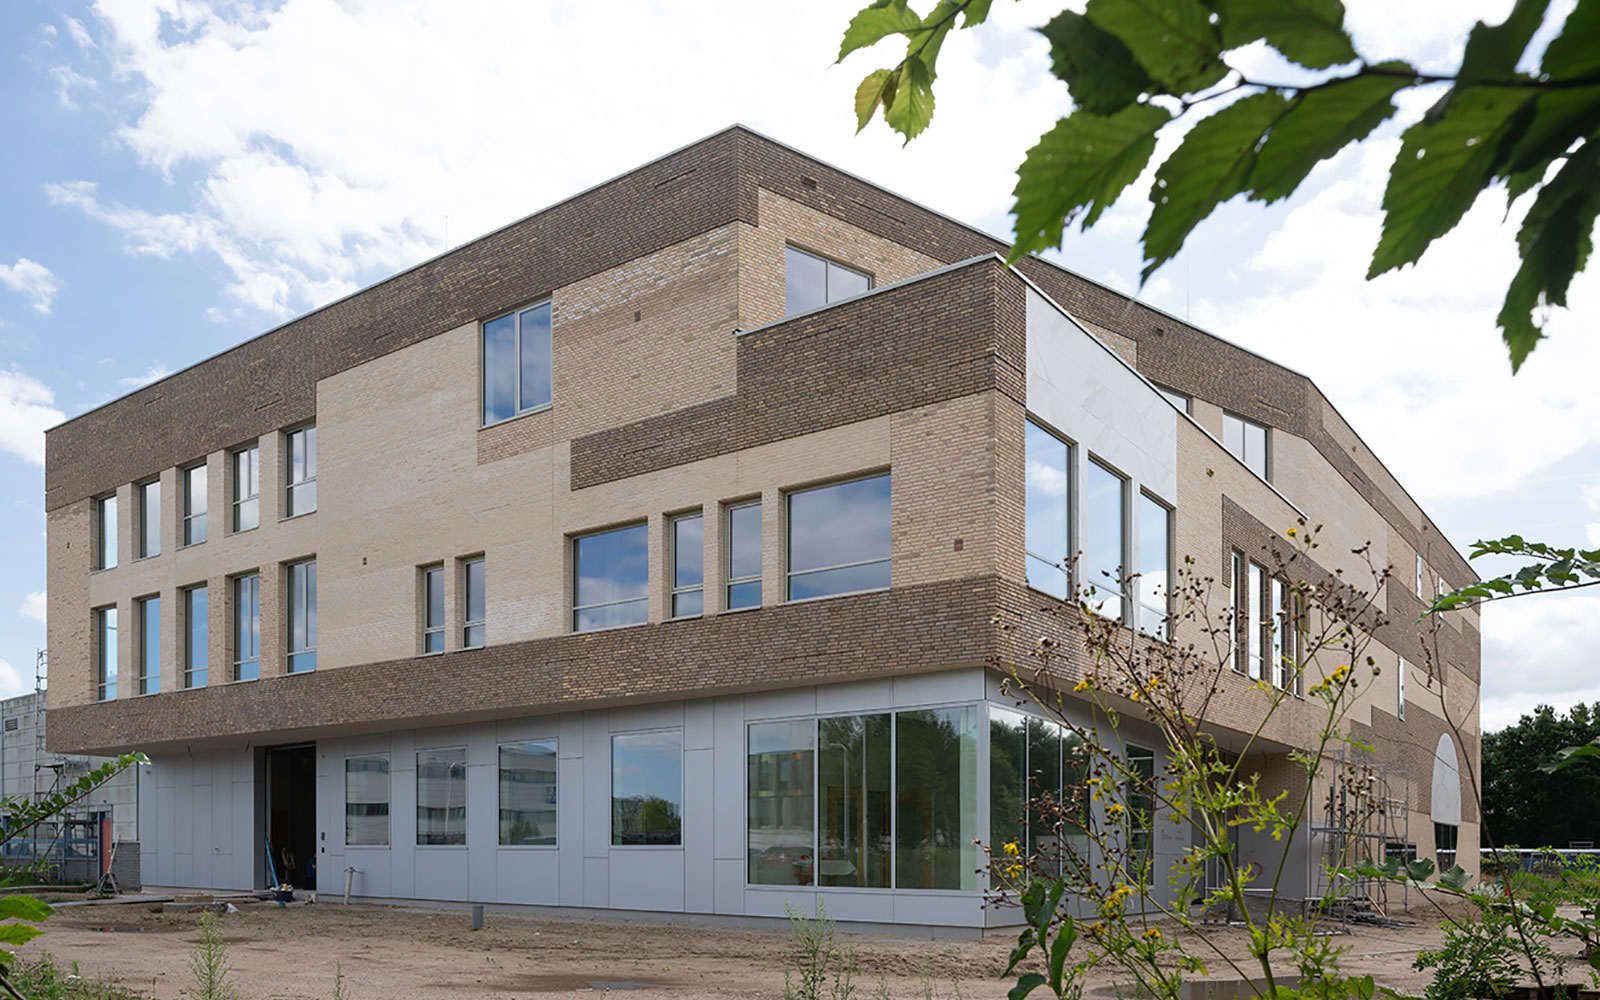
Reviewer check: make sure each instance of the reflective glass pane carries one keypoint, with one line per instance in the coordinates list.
(744, 541)
(1044, 786)
(848, 580)
(635, 612)
(1255, 448)
(528, 793)
(688, 552)
(843, 282)
(1141, 807)
(1253, 628)
(194, 491)
(1008, 778)
(108, 654)
(689, 604)
(197, 639)
(535, 356)
(936, 798)
(1103, 531)
(107, 554)
(433, 599)
(442, 796)
(1074, 790)
(150, 519)
(1233, 435)
(150, 645)
(647, 787)
(854, 839)
(302, 617)
(499, 369)
(744, 595)
(473, 635)
(1154, 563)
(473, 584)
(247, 627)
(366, 800)
(805, 281)
(836, 527)
(1282, 650)
(1047, 510)
(611, 566)
(781, 802)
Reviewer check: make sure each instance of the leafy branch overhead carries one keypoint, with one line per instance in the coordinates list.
(1135, 67)
(1551, 569)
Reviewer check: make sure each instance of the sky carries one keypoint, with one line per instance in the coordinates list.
(181, 175)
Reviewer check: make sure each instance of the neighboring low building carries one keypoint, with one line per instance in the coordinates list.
(644, 555)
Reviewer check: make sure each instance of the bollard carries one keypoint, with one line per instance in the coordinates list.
(477, 916)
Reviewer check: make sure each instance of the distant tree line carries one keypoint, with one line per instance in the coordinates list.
(1527, 807)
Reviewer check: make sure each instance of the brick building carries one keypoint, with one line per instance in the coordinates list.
(643, 555)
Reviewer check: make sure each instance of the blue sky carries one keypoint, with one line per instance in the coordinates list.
(180, 175)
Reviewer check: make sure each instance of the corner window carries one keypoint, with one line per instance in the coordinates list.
(302, 616)
(1247, 441)
(442, 797)
(149, 497)
(611, 579)
(854, 802)
(474, 604)
(1104, 531)
(516, 363)
(433, 609)
(839, 539)
(780, 765)
(194, 504)
(647, 788)
(105, 532)
(1176, 398)
(1155, 567)
(196, 638)
(1047, 510)
(936, 798)
(688, 558)
(105, 627)
(810, 281)
(528, 793)
(301, 494)
(744, 556)
(366, 801)
(1036, 767)
(148, 612)
(246, 488)
(247, 627)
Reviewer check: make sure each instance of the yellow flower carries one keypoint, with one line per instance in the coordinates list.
(1154, 934)
(1114, 809)
(1292, 532)
(1081, 686)
(1014, 870)
(1011, 849)
(1097, 928)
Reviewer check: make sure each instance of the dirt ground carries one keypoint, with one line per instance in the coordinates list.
(403, 953)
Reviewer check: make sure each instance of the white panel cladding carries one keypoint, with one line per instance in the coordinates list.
(192, 831)
(1082, 389)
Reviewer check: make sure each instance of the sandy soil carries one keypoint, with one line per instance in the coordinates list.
(403, 953)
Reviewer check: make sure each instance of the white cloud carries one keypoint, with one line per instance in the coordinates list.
(33, 606)
(33, 281)
(79, 33)
(27, 407)
(151, 374)
(11, 683)
(1534, 652)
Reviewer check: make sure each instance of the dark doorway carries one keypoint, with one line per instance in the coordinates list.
(292, 814)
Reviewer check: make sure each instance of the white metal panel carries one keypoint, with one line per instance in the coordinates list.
(855, 696)
(569, 820)
(596, 791)
(780, 704)
(699, 724)
(938, 689)
(596, 882)
(698, 797)
(441, 873)
(529, 875)
(371, 877)
(728, 776)
(483, 828)
(937, 909)
(728, 878)
(647, 879)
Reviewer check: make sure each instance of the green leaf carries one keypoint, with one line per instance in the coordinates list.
(1571, 755)
(869, 96)
(1419, 869)
(1573, 53)
(1025, 985)
(1560, 118)
(1097, 68)
(1080, 166)
(877, 22)
(976, 13)
(1210, 166)
(24, 908)
(1025, 943)
(18, 933)
(1174, 40)
(1311, 32)
(912, 108)
(1454, 877)
(1555, 241)
(1493, 50)
(1318, 124)
(1442, 166)
(1058, 952)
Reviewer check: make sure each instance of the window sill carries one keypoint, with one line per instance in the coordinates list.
(102, 569)
(527, 847)
(460, 649)
(190, 545)
(647, 847)
(437, 652)
(153, 555)
(296, 517)
(240, 531)
(441, 847)
(740, 611)
(861, 889)
(147, 694)
(241, 680)
(608, 628)
(545, 408)
(829, 597)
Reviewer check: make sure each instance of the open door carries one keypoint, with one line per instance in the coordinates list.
(291, 827)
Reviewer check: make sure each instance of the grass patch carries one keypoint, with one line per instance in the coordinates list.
(45, 979)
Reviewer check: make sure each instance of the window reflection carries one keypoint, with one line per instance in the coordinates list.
(744, 556)
(1104, 530)
(611, 579)
(1047, 511)
(647, 788)
(366, 800)
(839, 539)
(442, 797)
(853, 760)
(528, 793)
(936, 781)
(1154, 562)
(810, 281)
(781, 803)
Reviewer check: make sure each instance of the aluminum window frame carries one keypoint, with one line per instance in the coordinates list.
(465, 597)
(611, 788)
(466, 794)
(789, 573)
(673, 590)
(729, 581)
(518, 410)
(574, 569)
(242, 460)
(1244, 442)
(1120, 585)
(1068, 567)
(555, 805)
(303, 603)
(306, 436)
(186, 606)
(105, 530)
(106, 627)
(147, 536)
(188, 535)
(432, 577)
(828, 266)
(147, 675)
(1139, 604)
(241, 586)
(388, 774)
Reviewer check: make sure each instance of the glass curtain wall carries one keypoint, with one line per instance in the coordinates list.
(782, 802)
(853, 767)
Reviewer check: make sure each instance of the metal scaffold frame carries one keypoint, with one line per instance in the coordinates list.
(1365, 813)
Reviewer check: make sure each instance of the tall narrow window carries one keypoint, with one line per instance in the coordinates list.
(247, 627)
(1048, 512)
(366, 800)
(442, 797)
(810, 281)
(688, 559)
(528, 793)
(744, 556)
(246, 488)
(301, 495)
(105, 534)
(1104, 532)
(1241, 613)
(474, 604)
(149, 614)
(647, 788)
(149, 497)
(1419, 574)
(1247, 441)
(854, 801)
(196, 638)
(194, 504)
(516, 363)
(1285, 635)
(1155, 561)
(1141, 807)
(1400, 693)
(839, 539)
(303, 616)
(936, 798)
(433, 610)
(1255, 621)
(611, 579)
(106, 653)
(781, 786)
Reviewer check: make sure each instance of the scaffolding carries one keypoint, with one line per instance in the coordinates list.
(1365, 815)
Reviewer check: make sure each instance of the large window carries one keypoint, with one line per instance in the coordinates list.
(744, 556)
(611, 579)
(782, 779)
(516, 363)
(1141, 809)
(810, 281)
(148, 612)
(1267, 622)
(1155, 567)
(1048, 511)
(149, 504)
(839, 539)
(302, 616)
(433, 609)
(105, 532)
(194, 504)
(1446, 836)
(528, 793)
(854, 842)
(442, 797)
(246, 488)
(105, 627)
(1104, 529)
(688, 562)
(366, 800)
(936, 798)
(196, 638)
(1036, 767)
(647, 787)
(247, 627)
(300, 495)
(474, 604)
(1247, 440)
